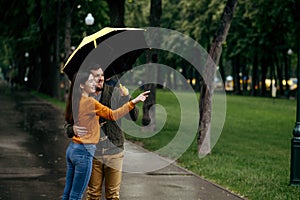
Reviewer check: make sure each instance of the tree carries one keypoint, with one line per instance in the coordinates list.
(257, 44)
(152, 57)
(260, 38)
(206, 90)
(117, 10)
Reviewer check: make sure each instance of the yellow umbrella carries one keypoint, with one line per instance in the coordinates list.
(91, 42)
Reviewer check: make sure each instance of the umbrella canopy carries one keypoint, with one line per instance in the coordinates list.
(115, 49)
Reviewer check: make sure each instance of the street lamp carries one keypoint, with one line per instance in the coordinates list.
(287, 73)
(295, 143)
(26, 55)
(89, 19)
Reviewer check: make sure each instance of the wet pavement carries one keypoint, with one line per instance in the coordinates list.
(32, 159)
(32, 147)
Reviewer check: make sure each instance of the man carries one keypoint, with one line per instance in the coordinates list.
(108, 159)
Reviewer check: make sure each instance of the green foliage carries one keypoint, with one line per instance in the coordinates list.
(33, 26)
(80, 9)
(137, 13)
(263, 28)
(268, 25)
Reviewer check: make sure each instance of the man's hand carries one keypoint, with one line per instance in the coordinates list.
(80, 130)
(123, 90)
(69, 130)
(141, 98)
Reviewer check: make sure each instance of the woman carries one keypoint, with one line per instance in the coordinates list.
(83, 110)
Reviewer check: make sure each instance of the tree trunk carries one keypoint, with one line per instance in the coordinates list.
(221, 69)
(148, 119)
(244, 76)
(67, 43)
(34, 75)
(206, 94)
(236, 67)
(254, 81)
(287, 74)
(117, 11)
(278, 69)
(264, 70)
(46, 48)
(273, 80)
(46, 65)
(56, 68)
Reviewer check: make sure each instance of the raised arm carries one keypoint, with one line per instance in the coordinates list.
(105, 112)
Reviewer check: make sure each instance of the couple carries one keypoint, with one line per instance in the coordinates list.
(83, 112)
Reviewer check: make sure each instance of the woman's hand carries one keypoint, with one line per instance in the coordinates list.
(141, 98)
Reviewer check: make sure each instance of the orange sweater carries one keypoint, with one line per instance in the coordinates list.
(89, 112)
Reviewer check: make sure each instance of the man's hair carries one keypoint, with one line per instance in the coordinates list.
(93, 66)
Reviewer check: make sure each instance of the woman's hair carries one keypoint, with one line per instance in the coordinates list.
(72, 106)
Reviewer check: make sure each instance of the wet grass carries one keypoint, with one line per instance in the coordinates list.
(252, 155)
(54, 101)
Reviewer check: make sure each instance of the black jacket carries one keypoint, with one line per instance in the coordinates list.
(111, 129)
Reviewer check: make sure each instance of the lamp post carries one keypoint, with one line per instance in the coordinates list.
(295, 143)
(89, 19)
(27, 68)
(287, 73)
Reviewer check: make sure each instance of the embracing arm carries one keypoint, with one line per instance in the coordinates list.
(72, 130)
(69, 130)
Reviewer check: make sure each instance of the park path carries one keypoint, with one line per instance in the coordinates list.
(32, 159)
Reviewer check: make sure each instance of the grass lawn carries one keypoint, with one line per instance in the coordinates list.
(252, 155)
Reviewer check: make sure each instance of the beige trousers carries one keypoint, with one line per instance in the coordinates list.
(107, 170)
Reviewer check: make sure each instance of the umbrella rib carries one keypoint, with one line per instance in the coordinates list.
(95, 43)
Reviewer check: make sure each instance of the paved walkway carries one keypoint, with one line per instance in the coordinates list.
(32, 159)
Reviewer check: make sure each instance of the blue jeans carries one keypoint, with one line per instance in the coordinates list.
(79, 167)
